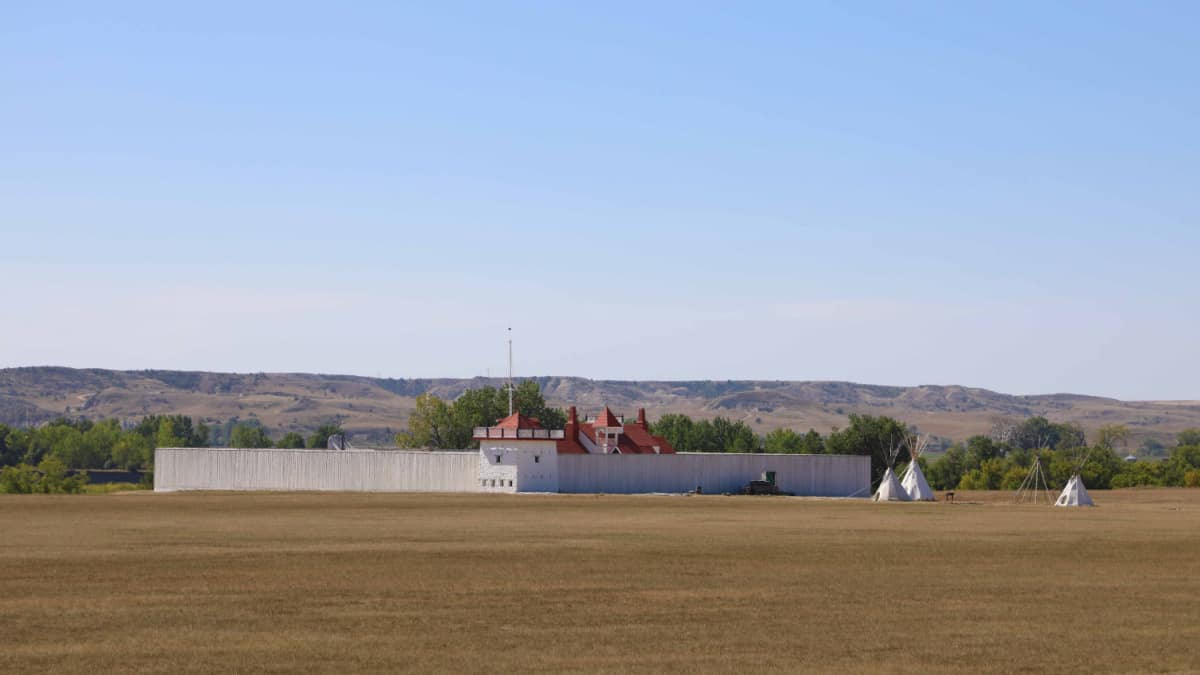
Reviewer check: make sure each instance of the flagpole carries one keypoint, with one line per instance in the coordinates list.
(510, 387)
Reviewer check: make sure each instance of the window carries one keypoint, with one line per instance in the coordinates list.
(497, 459)
(537, 458)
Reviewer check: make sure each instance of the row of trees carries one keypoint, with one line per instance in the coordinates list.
(435, 423)
(985, 463)
(105, 444)
(865, 435)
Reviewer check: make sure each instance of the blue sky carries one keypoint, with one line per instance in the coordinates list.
(992, 194)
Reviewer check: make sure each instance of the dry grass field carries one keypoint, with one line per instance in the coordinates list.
(350, 582)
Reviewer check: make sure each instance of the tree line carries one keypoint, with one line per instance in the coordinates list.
(31, 457)
(988, 463)
(865, 435)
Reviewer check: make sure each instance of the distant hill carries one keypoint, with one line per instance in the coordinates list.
(375, 408)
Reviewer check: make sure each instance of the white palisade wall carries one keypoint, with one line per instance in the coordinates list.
(806, 475)
(338, 470)
(523, 466)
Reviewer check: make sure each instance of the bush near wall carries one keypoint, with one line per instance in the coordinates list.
(48, 477)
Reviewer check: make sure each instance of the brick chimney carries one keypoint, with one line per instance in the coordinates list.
(572, 429)
(641, 418)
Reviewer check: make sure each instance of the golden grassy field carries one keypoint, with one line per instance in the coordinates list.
(348, 582)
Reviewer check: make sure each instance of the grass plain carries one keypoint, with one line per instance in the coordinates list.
(227, 582)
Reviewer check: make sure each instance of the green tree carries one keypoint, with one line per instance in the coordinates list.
(50, 477)
(183, 433)
(1152, 447)
(8, 454)
(482, 407)
(946, 472)
(429, 424)
(1183, 459)
(320, 437)
(783, 441)
(1140, 473)
(1188, 437)
(1102, 467)
(165, 436)
(97, 445)
(1013, 477)
(790, 442)
(676, 428)
(988, 476)
(979, 450)
(247, 435)
(21, 479)
(290, 440)
(1038, 432)
(1113, 437)
(869, 435)
(133, 451)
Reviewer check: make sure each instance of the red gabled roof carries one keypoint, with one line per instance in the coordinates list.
(570, 446)
(633, 440)
(643, 439)
(518, 421)
(606, 419)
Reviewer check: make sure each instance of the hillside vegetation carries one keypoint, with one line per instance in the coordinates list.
(377, 408)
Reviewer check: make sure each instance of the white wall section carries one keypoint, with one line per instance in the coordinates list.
(808, 475)
(338, 470)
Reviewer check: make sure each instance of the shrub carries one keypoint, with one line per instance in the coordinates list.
(50, 477)
(1192, 478)
(21, 479)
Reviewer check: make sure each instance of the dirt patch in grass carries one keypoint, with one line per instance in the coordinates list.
(320, 582)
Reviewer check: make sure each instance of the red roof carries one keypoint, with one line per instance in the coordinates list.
(518, 421)
(606, 419)
(570, 446)
(634, 438)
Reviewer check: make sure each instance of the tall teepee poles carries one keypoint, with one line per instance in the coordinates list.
(916, 445)
(1034, 484)
(510, 387)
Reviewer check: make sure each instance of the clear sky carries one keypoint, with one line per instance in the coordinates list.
(992, 194)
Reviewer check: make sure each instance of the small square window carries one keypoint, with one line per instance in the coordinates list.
(497, 459)
(537, 458)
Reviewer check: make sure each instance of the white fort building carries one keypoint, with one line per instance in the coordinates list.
(600, 455)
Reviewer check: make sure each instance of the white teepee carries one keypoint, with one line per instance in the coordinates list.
(914, 482)
(890, 490)
(1074, 494)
